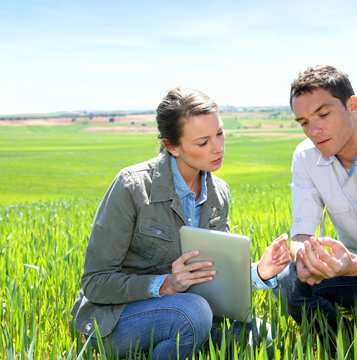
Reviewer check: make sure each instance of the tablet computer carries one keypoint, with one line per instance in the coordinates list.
(229, 293)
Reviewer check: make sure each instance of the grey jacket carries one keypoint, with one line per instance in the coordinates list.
(135, 238)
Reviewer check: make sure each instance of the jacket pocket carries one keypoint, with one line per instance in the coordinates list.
(154, 229)
(153, 240)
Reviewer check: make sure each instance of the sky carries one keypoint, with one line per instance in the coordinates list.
(124, 55)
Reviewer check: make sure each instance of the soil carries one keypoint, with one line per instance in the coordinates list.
(137, 125)
(130, 129)
(68, 121)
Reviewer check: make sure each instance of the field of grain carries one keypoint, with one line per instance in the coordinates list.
(52, 180)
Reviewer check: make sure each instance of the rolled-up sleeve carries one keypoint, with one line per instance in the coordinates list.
(258, 283)
(156, 285)
(306, 201)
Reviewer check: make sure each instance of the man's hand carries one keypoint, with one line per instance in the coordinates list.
(183, 276)
(297, 249)
(323, 264)
(303, 272)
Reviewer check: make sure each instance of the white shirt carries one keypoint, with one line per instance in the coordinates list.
(318, 180)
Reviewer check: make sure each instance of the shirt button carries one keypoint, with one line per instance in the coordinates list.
(189, 220)
(158, 232)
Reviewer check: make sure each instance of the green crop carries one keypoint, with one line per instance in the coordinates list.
(50, 188)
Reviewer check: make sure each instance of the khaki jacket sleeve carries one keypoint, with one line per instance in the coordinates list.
(103, 281)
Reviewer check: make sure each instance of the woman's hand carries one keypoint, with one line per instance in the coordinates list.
(275, 258)
(183, 276)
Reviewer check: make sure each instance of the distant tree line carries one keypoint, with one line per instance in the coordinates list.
(278, 110)
(67, 114)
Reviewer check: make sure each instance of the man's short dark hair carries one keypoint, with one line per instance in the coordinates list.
(322, 76)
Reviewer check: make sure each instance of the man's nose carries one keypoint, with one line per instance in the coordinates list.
(315, 128)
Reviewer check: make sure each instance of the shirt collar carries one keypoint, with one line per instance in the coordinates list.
(203, 195)
(353, 167)
(324, 161)
(181, 187)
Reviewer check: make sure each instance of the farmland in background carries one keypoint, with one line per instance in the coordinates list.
(40, 162)
(52, 179)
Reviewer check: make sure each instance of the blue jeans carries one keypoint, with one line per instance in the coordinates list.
(339, 291)
(187, 314)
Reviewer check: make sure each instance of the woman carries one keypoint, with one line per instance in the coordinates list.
(135, 276)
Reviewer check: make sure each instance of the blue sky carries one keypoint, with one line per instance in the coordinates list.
(103, 55)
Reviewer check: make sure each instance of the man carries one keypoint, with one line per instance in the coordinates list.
(323, 174)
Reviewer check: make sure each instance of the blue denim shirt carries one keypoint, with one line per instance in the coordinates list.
(187, 197)
(192, 210)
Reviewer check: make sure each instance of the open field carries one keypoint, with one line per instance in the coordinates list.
(138, 119)
(146, 122)
(52, 179)
(49, 162)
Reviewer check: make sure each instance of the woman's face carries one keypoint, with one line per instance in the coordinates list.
(201, 145)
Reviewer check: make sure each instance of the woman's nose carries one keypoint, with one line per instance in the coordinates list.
(218, 145)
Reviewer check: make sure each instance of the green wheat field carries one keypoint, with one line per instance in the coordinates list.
(52, 180)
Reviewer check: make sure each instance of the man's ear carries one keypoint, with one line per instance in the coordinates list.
(170, 148)
(352, 104)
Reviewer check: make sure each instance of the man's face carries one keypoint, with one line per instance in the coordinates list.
(326, 121)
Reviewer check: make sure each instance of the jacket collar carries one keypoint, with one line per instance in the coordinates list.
(163, 189)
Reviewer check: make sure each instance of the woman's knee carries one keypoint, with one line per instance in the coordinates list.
(190, 318)
(197, 314)
(196, 308)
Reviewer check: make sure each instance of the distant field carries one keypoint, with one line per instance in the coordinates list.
(52, 162)
(50, 165)
(137, 119)
(146, 123)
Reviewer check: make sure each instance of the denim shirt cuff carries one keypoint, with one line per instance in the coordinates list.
(262, 284)
(156, 285)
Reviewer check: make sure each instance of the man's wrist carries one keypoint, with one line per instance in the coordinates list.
(298, 246)
(352, 269)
